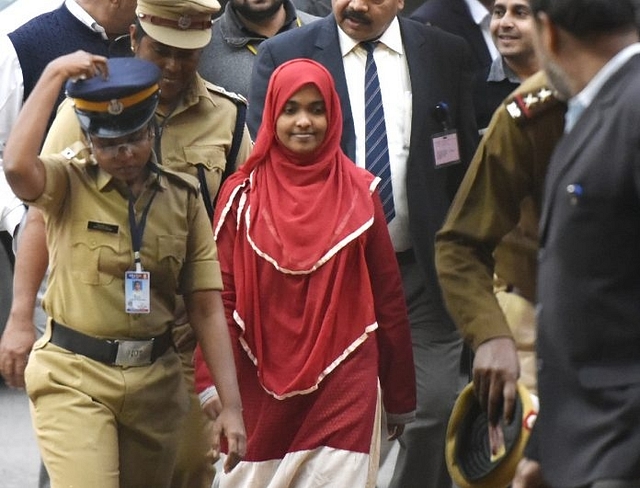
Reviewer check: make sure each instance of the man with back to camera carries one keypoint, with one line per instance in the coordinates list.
(586, 433)
(426, 96)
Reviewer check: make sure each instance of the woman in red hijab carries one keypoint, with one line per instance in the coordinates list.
(313, 298)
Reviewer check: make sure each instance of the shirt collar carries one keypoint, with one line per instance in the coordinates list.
(83, 16)
(193, 94)
(478, 11)
(391, 38)
(501, 71)
(589, 92)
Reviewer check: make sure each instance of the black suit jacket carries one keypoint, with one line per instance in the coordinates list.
(453, 16)
(589, 294)
(438, 64)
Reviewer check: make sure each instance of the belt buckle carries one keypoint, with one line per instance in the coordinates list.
(133, 353)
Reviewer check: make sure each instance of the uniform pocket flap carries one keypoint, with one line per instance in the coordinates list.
(209, 156)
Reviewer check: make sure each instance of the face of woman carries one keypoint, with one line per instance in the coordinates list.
(125, 157)
(178, 66)
(302, 125)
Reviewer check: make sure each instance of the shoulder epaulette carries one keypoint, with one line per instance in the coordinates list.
(74, 150)
(234, 97)
(528, 105)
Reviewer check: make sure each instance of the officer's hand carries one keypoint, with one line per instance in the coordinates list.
(528, 475)
(80, 65)
(495, 372)
(212, 407)
(230, 424)
(15, 345)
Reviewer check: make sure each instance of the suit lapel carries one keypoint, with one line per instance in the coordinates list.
(327, 52)
(573, 145)
(417, 53)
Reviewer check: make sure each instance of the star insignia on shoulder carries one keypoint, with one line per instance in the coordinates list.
(530, 100)
(544, 93)
(526, 106)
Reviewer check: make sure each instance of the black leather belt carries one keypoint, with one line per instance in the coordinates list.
(406, 257)
(114, 352)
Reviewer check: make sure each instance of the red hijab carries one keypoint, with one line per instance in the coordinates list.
(303, 297)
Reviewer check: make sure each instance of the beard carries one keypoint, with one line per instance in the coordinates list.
(558, 81)
(557, 77)
(256, 14)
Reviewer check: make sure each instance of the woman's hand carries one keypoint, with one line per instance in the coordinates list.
(230, 424)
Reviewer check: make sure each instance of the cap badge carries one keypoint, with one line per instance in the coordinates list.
(115, 107)
(184, 22)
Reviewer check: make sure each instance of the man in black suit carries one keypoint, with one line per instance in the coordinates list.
(426, 91)
(468, 19)
(587, 433)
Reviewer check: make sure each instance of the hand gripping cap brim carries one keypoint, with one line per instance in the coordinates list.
(119, 105)
(468, 453)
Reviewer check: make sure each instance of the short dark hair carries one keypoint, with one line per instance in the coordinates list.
(584, 18)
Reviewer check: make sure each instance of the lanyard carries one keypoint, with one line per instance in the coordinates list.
(137, 228)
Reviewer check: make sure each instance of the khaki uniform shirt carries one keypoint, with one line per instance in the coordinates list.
(89, 238)
(492, 224)
(198, 131)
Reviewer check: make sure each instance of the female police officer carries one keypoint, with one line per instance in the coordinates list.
(200, 133)
(105, 385)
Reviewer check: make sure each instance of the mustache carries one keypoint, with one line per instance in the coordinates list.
(356, 16)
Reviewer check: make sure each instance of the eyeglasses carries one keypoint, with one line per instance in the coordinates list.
(130, 142)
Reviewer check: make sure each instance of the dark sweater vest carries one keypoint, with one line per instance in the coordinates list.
(49, 36)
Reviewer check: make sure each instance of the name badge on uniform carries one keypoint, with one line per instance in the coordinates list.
(445, 148)
(136, 291)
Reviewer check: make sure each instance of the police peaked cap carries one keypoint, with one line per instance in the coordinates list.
(468, 453)
(119, 105)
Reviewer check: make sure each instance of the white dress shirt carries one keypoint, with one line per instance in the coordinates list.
(11, 208)
(395, 85)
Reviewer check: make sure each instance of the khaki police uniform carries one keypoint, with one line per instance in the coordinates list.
(491, 230)
(89, 238)
(199, 131)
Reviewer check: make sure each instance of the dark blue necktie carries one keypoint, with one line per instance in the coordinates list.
(376, 147)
